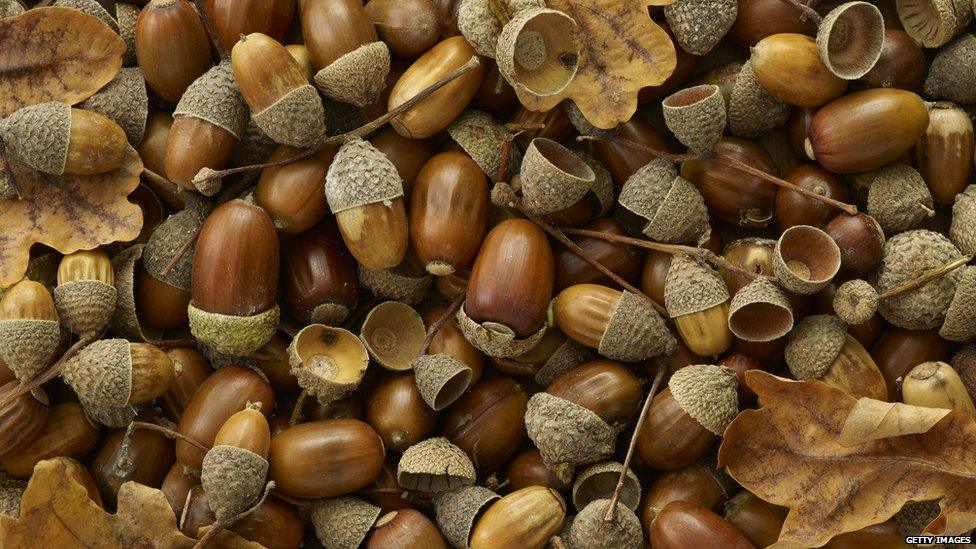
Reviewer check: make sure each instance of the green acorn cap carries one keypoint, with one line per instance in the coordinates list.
(28, 346)
(753, 110)
(566, 433)
(708, 394)
(635, 331)
(495, 339)
(814, 345)
(434, 465)
(960, 322)
(360, 174)
(696, 116)
(950, 75)
(482, 138)
(698, 25)
(343, 522)
(215, 98)
(85, 306)
(441, 379)
(233, 335)
(692, 286)
(357, 77)
(855, 302)
(37, 135)
(296, 119)
(232, 478)
(600, 481)
(456, 511)
(591, 530)
(125, 101)
(962, 230)
(898, 198)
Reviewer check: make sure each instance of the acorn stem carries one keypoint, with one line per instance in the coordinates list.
(170, 433)
(925, 277)
(296, 412)
(201, 6)
(51, 372)
(806, 12)
(220, 525)
(162, 181)
(181, 252)
(439, 323)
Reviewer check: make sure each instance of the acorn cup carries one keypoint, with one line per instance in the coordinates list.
(805, 259)
(698, 25)
(235, 467)
(898, 198)
(329, 363)
(590, 529)
(114, 372)
(434, 465)
(457, 510)
(760, 312)
(949, 76)
(552, 177)
(365, 193)
(85, 296)
(599, 482)
(11, 8)
(393, 333)
(962, 229)
(944, 154)
(480, 25)
(89, 7)
(125, 101)
(483, 139)
(566, 355)
(526, 518)
(407, 282)
(789, 66)
(57, 139)
(674, 209)
(696, 116)
(820, 348)
(538, 51)
(932, 23)
(698, 301)
(30, 334)
(343, 522)
(960, 321)
(936, 385)
(126, 16)
(113, 417)
(126, 321)
(850, 39)
(441, 379)
(752, 109)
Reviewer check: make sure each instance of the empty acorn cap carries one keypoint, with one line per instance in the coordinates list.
(85, 306)
(124, 100)
(441, 379)
(698, 25)
(215, 98)
(635, 331)
(125, 322)
(113, 417)
(126, 16)
(760, 312)
(396, 283)
(37, 135)
(360, 174)
(898, 197)
(960, 322)
(357, 77)
(753, 110)
(692, 286)
(434, 465)
(538, 51)
(483, 139)
(456, 511)
(696, 116)
(296, 119)
(10, 8)
(674, 209)
(855, 302)
(932, 23)
(495, 339)
(11, 489)
(814, 345)
(233, 335)
(232, 478)
(566, 357)
(168, 240)
(566, 433)
(28, 346)
(708, 394)
(553, 178)
(805, 259)
(962, 229)
(343, 522)
(89, 7)
(950, 75)
(602, 187)
(599, 482)
(481, 27)
(328, 363)
(393, 333)
(850, 38)
(591, 530)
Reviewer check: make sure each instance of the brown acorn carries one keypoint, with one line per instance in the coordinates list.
(150, 454)
(395, 409)
(234, 468)
(789, 66)
(171, 46)
(697, 299)
(758, 520)
(434, 465)
(527, 469)
(944, 154)
(85, 296)
(792, 208)
(898, 350)
(292, 194)
(861, 241)
(488, 423)
(409, 27)
(68, 433)
(901, 64)
(328, 362)
(194, 370)
(682, 524)
(936, 385)
(405, 529)
(176, 486)
(408, 155)
(757, 19)
(114, 372)
(232, 18)
(698, 483)
(30, 333)
(22, 419)
(526, 518)
(621, 259)
(318, 276)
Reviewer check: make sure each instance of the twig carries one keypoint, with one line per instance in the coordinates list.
(806, 12)
(172, 343)
(50, 373)
(201, 6)
(925, 277)
(439, 323)
(162, 181)
(181, 252)
(658, 378)
(170, 433)
(220, 525)
(296, 412)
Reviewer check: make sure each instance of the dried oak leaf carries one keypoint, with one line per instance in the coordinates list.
(621, 51)
(66, 212)
(788, 452)
(55, 511)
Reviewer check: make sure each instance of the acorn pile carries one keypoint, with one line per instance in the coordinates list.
(442, 330)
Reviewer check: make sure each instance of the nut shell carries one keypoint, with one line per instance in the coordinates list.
(360, 174)
(635, 331)
(214, 97)
(591, 530)
(553, 178)
(962, 229)
(396, 284)
(393, 333)
(898, 197)
(855, 302)
(932, 23)
(538, 51)
(495, 339)
(708, 394)
(434, 465)
(753, 110)
(600, 481)
(674, 209)
(696, 116)
(850, 39)
(38, 135)
(483, 138)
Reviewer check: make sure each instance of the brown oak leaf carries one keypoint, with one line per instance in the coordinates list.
(621, 51)
(788, 452)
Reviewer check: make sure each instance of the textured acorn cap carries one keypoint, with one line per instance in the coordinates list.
(113, 417)
(582, 125)
(698, 25)
(805, 259)
(343, 522)
(10, 8)
(495, 339)
(696, 116)
(215, 98)
(753, 110)
(456, 511)
(553, 178)
(395, 284)
(434, 465)
(538, 51)
(232, 478)
(950, 75)
(898, 198)
(85, 306)
(645, 189)
(329, 363)
(37, 135)
(602, 187)
(393, 333)
(962, 230)
(814, 345)
(692, 286)
(599, 482)
(932, 23)
(101, 373)
(28, 346)
(566, 433)
(635, 331)
(90, 7)
(255, 147)
(908, 255)
(855, 302)
(708, 394)
(11, 489)
(591, 530)
(296, 119)
(330, 314)
(850, 38)
(674, 209)
(358, 77)
(760, 312)
(125, 320)
(124, 101)
(441, 379)
(960, 322)
(167, 241)
(233, 335)
(360, 174)
(126, 16)
(566, 357)
(483, 138)
(479, 25)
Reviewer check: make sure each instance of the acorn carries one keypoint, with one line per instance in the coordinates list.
(552, 177)
(434, 465)
(757, 19)
(850, 39)
(805, 259)
(487, 423)
(407, 283)
(318, 276)
(960, 323)
(698, 25)
(232, 18)
(405, 529)
(526, 518)
(948, 77)
(408, 155)
(484, 140)
(30, 333)
(22, 418)
(696, 116)
(114, 372)
(292, 194)
(67, 434)
(235, 467)
(145, 458)
(85, 296)
(527, 469)
(194, 370)
(683, 524)
(674, 209)
(944, 154)
(393, 333)
(752, 109)
(933, 22)
(328, 362)
(898, 350)
(481, 26)
(700, 483)
(789, 66)
(901, 65)
(408, 28)
(793, 208)
(623, 260)
(398, 413)
(698, 302)
(820, 348)
(936, 385)
(171, 46)
(685, 418)
(538, 51)
(898, 198)
(343, 522)
(235, 278)
(124, 101)
(598, 482)
(449, 340)
(590, 529)
(758, 520)
(861, 241)
(284, 105)
(57, 139)
(457, 511)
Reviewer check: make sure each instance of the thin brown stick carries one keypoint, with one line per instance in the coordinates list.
(171, 343)
(925, 277)
(439, 323)
(296, 412)
(162, 181)
(201, 6)
(50, 373)
(181, 252)
(806, 12)
(658, 378)
(519, 127)
(170, 433)
(220, 525)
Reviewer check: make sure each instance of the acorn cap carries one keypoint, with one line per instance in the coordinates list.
(342, 117)
(358, 76)
(329, 363)
(708, 394)
(89, 7)
(805, 259)
(343, 522)
(960, 321)
(215, 98)
(814, 345)
(698, 25)
(101, 373)
(330, 314)
(635, 331)
(602, 187)
(126, 16)
(232, 478)
(850, 38)
(394, 334)
(125, 320)
(10, 8)
(553, 178)
(233, 335)
(582, 125)
(696, 116)
(760, 312)
(441, 379)
(28, 346)
(11, 489)
(645, 189)
(898, 198)
(113, 417)
(434, 465)
(483, 138)
(932, 23)
(395, 284)
(167, 241)
(255, 147)
(674, 209)
(962, 229)
(360, 174)
(538, 51)
(855, 302)
(479, 25)
(566, 357)
(950, 75)
(753, 110)
(566, 433)
(906, 256)
(591, 530)
(296, 119)
(456, 511)
(85, 306)
(124, 101)
(496, 339)
(599, 482)
(692, 286)
(37, 135)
